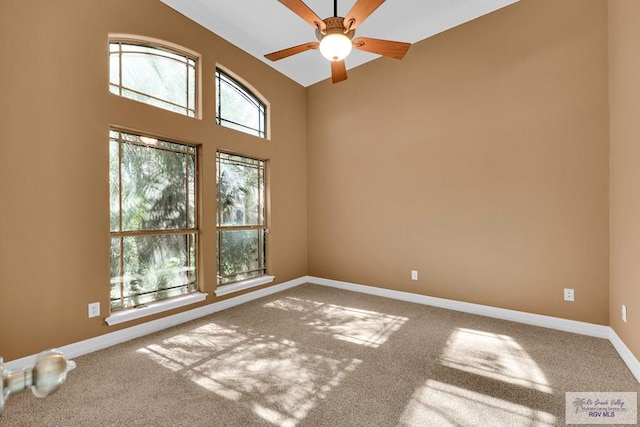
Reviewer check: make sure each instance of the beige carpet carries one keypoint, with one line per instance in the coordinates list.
(315, 356)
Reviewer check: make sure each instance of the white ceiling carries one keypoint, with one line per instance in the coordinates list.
(264, 26)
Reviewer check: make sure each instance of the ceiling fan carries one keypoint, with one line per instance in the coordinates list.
(335, 35)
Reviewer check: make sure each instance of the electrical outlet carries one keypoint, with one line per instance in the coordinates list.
(414, 274)
(94, 309)
(624, 313)
(569, 294)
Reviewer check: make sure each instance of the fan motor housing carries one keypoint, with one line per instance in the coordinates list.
(335, 24)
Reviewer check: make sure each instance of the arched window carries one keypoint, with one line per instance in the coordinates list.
(153, 74)
(239, 108)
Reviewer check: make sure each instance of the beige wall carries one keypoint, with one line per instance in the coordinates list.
(480, 160)
(55, 115)
(624, 34)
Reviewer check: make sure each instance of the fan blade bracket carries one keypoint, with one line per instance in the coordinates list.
(348, 25)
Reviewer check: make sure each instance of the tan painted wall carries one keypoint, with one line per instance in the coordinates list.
(624, 33)
(480, 160)
(55, 113)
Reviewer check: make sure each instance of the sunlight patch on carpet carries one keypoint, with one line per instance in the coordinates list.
(493, 356)
(439, 404)
(362, 327)
(271, 377)
(274, 378)
(184, 350)
(294, 304)
(367, 328)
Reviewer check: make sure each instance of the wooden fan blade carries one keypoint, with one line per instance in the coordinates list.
(360, 11)
(274, 56)
(388, 48)
(303, 11)
(338, 71)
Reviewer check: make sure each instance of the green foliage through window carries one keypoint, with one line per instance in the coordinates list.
(238, 108)
(241, 225)
(153, 75)
(153, 219)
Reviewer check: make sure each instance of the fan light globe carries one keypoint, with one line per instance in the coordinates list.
(335, 46)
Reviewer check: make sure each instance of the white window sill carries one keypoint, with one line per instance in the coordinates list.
(122, 316)
(241, 286)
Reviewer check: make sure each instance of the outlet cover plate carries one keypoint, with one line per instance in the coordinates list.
(94, 309)
(569, 294)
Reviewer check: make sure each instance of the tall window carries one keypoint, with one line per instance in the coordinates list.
(241, 224)
(154, 75)
(239, 108)
(153, 219)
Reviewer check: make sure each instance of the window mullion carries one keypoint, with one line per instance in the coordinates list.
(219, 96)
(120, 69)
(119, 181)
(120, 210)
(241, 227)
(220, 249)
(155, 98)
(218, 189)
(186, 85)
(121, 272)
(259, 214)
(155, 232)
(186, 192)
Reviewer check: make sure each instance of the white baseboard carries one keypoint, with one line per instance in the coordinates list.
(626, 354)
(582, 328)
(573, 326)
(113, 338)
(103, 341)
